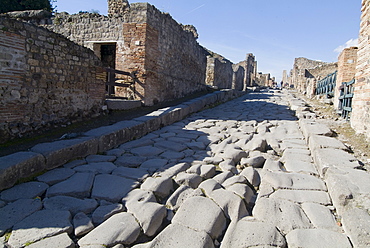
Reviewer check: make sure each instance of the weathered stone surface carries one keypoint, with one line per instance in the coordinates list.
(233, 180)
(78, 185)
(201, 214)
(242, 190)
(82, 224)
(128, 160)
(320, 216)
(39, 225)
(178, 197)
(252, 176)
(318, 142)
(248, 232)
(100, 158)
(220, 178)
(316, 238)
(255, 162)
(154, 164)
(328, 157)
(111, 188)
(24, 191)
(287, 215)
(310, 128)
(16, 211)
(149, 214)
(176, 235)
(300, 196)
(102, 213)
(19, 165)
(356, 223)
(284, 180)
(131, 173)
(71, 204)
(121, 228)
(56, 175)
(233, 206)
(170, 145)
(61, 240)
(160, 186)
(147, 151)
(188, 179)
(300, 166)
(98, 167)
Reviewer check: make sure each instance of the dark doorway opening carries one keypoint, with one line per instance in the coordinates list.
(108, 57)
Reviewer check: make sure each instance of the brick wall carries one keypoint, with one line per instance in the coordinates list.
(45, 80)
(347, 61)
(360, 118)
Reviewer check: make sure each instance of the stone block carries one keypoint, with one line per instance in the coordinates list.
(59, 152)
(19, 165)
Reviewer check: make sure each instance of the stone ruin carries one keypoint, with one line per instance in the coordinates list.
(53, 69)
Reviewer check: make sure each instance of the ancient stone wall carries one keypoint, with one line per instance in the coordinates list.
(238, 77)
(250, 70)
(175, 64)
(45, 79)
(347, 61)
(306, 73)
(169, 62)
(219, 72)
(360, 118)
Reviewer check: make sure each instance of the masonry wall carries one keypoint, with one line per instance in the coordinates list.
(175, 64)
(169, 62)
(219, 72)
(238, 77)
(306, 73)
(360, 117)
(45, 79)
(347, 61)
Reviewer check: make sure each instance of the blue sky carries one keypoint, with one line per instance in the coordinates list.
(275, 31)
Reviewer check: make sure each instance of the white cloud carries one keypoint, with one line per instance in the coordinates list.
(350, 43)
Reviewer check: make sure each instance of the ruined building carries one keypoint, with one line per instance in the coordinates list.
(53, 69)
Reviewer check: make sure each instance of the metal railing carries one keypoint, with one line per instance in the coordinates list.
(326, 86)
(345, 99)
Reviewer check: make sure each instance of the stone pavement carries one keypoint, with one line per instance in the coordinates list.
(257, 171)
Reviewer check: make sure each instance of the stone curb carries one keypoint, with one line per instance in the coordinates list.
(47, 156)
(348, 185)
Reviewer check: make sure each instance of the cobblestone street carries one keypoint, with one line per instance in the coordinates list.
(257, 171)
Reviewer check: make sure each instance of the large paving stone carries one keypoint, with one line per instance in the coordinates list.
(98, 167)
(121, 228)
(189, 179)
(310, 128)
(178, 197)
(147, 151)
(320, 216)
(16, 211)
(233, 206)
(102, 213)
(82, 224)
(248, 232)
(285, 180)
(311, 238)
(24, 191)
(252, 176)
(300, 196)
(179, 236)
(56, 175)
(131, 173)
(170, 145)
(154, 165)
(319, 142)
(160, 186)
(284, 214)
(300, 166)
(40, 225)
(356, 223)
(71, 204)
(78, 185)
(111, 188)
(61, 240)
(201, 214)
(129, 160)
